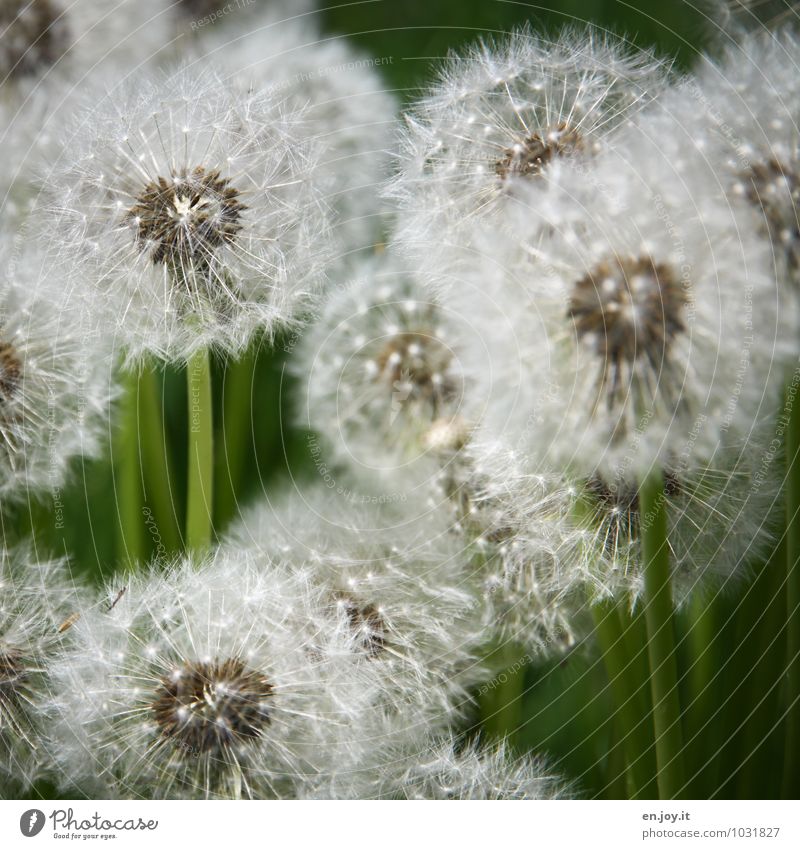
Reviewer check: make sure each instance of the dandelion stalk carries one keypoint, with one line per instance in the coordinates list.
(200, 485)
(236, 431)
(158, 485)
(128, 478)
(661, 637)
(636, 739)
(791, 771)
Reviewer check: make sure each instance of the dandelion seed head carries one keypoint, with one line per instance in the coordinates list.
(37, 607)
(183, 220)
(54, 384)
(254, 691)
(624, 334)
(439, 767)
(628, 309)
(511, 112)
(398, 584)
(201, 201)
(384, 374)
(210, 706)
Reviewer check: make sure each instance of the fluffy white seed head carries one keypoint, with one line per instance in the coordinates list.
(506, 114)
(55, 377)
(643, 328)
(205, 680)
(720, 520)
(38, 606)
(384, 384)
(442, 768)
(192, 212)
(748, 102)
(398, 580)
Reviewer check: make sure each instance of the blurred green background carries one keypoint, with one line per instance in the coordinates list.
(561, 708)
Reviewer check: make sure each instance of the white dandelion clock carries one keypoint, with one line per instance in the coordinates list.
(749, 98)
(208, 680)
(384, 383)
(443, 768)
(38, 603)
(192, 213)
(506, 114)
(399, 583)
(720, 520)
(55, 382)
(348, 110)
(644, 331)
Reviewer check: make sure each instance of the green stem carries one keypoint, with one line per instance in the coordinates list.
(636, 739)
(508, 718)
(200, 482)
(617, 775)
(236, 435)
(159, 491)
(791, 769)
(703, 737)
(128, 476)
(661, 637)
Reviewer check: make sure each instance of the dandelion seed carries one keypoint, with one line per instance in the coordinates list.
(221, 679)
(508, 113)
(644, 325)
(381, 367)
(54, 389)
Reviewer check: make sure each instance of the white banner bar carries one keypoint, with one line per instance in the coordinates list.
(401, 825)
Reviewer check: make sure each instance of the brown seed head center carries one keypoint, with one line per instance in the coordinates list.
(182, 221)
(212, 706)
(415, 365)
(628, 310)
(531, 156)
